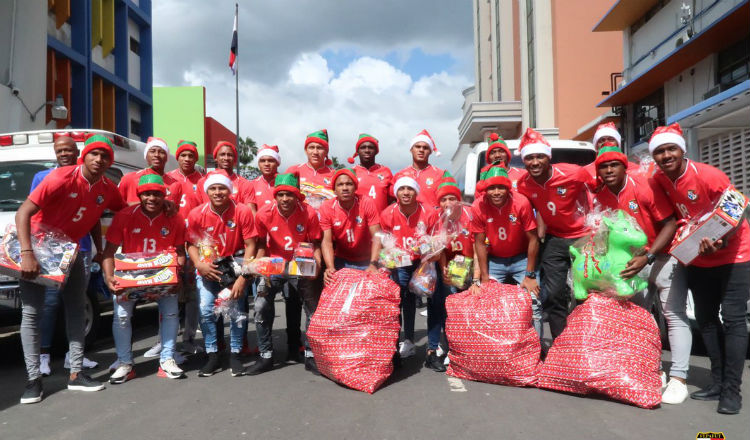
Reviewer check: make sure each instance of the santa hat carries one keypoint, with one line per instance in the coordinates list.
(533, 142)
(405, 181)
(150, 182)
(97, 142)
(364, 137)
(425, 137)
(288, 182)
(221, 144)
(493, 142)
(271, 151)
(609, 152)
(218, 177)
(156, 142)
(496, 175)
(448, 186)
(671, 134)
(344, 172)
(184, 145)
(607, 129)
(319, 137)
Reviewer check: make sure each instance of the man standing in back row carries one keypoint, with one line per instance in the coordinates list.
(427, 176)
(374, 179)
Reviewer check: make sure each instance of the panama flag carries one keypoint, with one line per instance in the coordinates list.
(233, 49)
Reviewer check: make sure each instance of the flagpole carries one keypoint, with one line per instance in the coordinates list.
(237, 82)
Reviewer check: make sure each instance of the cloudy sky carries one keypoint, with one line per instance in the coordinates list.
(388, 68)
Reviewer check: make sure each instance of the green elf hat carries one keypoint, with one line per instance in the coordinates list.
(319, 137)
(184, 145)
(288, 182)
(495, 141)
(609, 152)
(448, 186)
(496, 175)
(344, 172)
(97, 142)
(150, 182)
(364, 137)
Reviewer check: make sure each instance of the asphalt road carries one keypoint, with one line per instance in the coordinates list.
(292, 403)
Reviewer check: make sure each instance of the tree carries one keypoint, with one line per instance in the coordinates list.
(336, 165)
(247, 149)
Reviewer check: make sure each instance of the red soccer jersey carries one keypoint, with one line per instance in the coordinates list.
(136, 232)
(240, 189)
(261, 192)
(190, 197)
(283, 234)
(307, 174)
(428, 180)
(374, 183)
(563, 200)
(638, 199)
(463, 244)
(350, 229)
(505, 227)
(514, 174)
(71, 204)
(404, 228)
(695, 193)
(129, 184)
(593, 182)
(229, 230)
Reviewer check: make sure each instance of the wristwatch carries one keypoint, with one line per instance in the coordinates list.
(477, 282)
(650, 258)
(531, 275)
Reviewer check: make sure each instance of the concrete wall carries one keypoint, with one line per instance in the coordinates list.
(688, 88)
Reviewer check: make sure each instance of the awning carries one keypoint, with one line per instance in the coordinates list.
(623, 14)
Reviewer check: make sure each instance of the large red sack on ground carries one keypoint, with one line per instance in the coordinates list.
(354, 331)
(609, 347)
(491, 337)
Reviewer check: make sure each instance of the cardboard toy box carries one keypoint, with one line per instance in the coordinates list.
(146, 277)
(55, 258)
(137, 261)
(726, 215)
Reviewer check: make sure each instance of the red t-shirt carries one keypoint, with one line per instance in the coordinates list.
(307, 174)
(136, 232)
(504, 227)
(261, 192)
(129, 184)
(284, 234)
(639, 199)
(70, 204)
(463, 244)
(240, 188)
(374, 183)
(562, 201)
(694, 194)
(350, 229)
(404, 228)
(229, 230)
(190, 197)
(514, 174)
(428, 180)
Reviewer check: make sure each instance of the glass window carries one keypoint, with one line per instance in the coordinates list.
(649, 114)
(734, 64)
(15, 181)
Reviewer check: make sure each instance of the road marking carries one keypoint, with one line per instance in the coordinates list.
(456, 384)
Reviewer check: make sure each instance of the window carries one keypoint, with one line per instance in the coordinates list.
(649, 114)
(135, 46)
(135, 128)
(734, 64)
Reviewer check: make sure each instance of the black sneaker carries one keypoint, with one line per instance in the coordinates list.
(711, 392)
(293, 355)
(211, 366)
(83, 382)
(33, 392)
(729, 403)
(260, 366)
(235, 364)
(434, 362)
(311, 366)
(396, 360)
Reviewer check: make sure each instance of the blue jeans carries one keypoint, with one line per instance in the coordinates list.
(340, 263)
(207, 291)
(52, 302)
(122, 331)
(402, 275)
(436, 312)
(513, 269)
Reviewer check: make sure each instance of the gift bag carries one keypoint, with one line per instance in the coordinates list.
(354, 330)
(491, 336)
(609, 347)
(424, 280)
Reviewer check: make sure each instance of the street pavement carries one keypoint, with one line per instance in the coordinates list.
(289, 402)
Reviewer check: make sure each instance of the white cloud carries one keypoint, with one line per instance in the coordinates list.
(310, 69)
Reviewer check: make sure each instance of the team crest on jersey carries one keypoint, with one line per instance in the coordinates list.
(633, 205)
(231, 224)
(195, 187)
(73, 195)
(169, 192)
(358, 220)
(561, 190)
(465, 232)
(512, 218)
(300, 227)
(428, 181)
(164, 232)
(691, 195)
(99, 199)
(326, 180)
(515, 184)
(381, 177)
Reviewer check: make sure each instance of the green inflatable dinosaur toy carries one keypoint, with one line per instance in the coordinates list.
(602, 272)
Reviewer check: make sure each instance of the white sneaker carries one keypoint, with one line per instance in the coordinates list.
(663, 380)
(675, 393)
(154, 351)
(171, 370)
(439, 351)
(87, 363)
(178, 358)
(122, 374)
(406, 349)
(423, 312)
(44, 364)
(114, 366)
(447, 361)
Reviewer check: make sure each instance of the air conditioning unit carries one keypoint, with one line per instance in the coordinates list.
(649, 127)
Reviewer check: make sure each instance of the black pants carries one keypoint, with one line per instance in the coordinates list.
(555, 293)
(300, 294)
(727, 286)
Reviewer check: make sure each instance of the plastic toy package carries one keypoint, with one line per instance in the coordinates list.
(146, 276)
(264, 267)
(207, 249)
(354, 330)
(54, 251)
(141, 260)
(599, 257)
(608, 347)
(460, 271)
(424, 280)
(392, 256)
(303, 262)
(315, 195)
(227, 307)
(491, 337)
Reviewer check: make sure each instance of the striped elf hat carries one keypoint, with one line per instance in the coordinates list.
(184, 145)
(496, 175)
(150, 182)
(344, 172)
(609, 152)
(287, 182)
(97, 142)
(448, 186)
(495, 141)
(319, 137)
(364, 137)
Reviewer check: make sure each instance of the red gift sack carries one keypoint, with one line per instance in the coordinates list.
(609, 347)
(354, 331)
(491, 337)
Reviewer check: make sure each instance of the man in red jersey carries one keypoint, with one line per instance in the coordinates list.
(720, 276)
(374, 179)
(606, 133)
(317, 170)
(560, 196)
(406, 220)
(654, 214)
(498, 153)
(261, 193)
(225, 154)
(349, 224)
(70, 199)
(279, 228)
(156, 155)
(427, 176)
(144, 228)
(229, 225)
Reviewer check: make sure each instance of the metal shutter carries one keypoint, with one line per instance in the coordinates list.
(729, 152)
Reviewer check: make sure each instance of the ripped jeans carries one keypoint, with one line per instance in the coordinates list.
(122, 331)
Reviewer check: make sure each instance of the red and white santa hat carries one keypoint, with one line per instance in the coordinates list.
(271, 151)
(156, 142)
(425, 137)
(533, 142)
(671, 134)
(610, 130)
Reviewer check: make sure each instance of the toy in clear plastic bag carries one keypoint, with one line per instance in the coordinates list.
(599, 257)
(315, 195)
(54, 251)
(460, 271)
(424, 280)
(303, 261)
(265, 267)
(392, 256)
(208, 251)
(227, 307)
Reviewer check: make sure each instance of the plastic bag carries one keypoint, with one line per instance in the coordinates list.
(303, 261)
(392, 256)
(598, 258)
(264, 266)
(491, 337)
(228, 308)
(424, 280)
(354, 330)
(54, 251)
(315, 195)
(208, 251)
(608, 347)
(460, 271)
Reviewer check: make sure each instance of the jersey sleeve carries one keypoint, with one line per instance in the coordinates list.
(715, 181)
(659, 204)
(528, 221)
(247, 224)
(251, 194)
(385, 220)
(313, 225)
(477, 224)
(115, 233)
(192, 226)
(326, 216)
(259, 225)
(124, 186)
(370, 212)
(116, 201)
(178, 226)
(48, 192)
